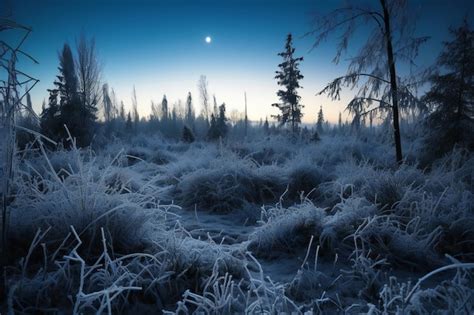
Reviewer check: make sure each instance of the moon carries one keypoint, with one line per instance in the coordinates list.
(208, 39)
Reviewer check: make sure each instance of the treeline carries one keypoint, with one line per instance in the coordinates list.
(445, 112)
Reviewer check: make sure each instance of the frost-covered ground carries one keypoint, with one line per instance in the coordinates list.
(262, 226)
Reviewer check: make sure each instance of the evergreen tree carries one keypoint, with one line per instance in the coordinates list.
(107, 104)
(452, 94)
(339, 122)
(50, 122)
(266, 127)
(320, 121)
(288, 76)
(188, 135)
(128, 124)
(68, 83)
(213, 132)
(122, 111)
(69, 111)
(164, 109)
(221, 122)
(189, 111)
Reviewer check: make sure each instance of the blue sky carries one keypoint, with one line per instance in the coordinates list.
(159, 47)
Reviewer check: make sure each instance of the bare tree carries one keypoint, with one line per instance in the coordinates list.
(136, 117)
(107, 104)
(89, 74)
(375, 66)
(189, 111)
(204, 93)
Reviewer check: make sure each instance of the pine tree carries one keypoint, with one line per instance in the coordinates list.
(164, 109)
(222, 121)
(320, 121)
(213, 132)
(70, 111)
(50, 117)
(339, 122)
(452, 94)
(68, 83)
(188, 135)
(266, 127)
(288, 76)
(189, 111)
(128, 124)
(122, 111)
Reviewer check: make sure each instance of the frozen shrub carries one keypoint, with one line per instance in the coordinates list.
(304, 179)
(136, 154)
(401, 245)
(347, 216)
(123, 179)
(309, 284)
(228, 187)
(161, 157)
(286, 230)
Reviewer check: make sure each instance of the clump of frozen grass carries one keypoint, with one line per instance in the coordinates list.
(100, 213)
(452, 296)
(122, 179)
(229, 185)
(221, 294)
(405, 245)
(66, 281)
(82, 199)
(347, 216)
(304, 179)
(285, 230)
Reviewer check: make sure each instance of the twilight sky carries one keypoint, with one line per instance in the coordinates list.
(159, 46)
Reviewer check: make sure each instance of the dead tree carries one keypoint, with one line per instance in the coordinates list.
(374, 68)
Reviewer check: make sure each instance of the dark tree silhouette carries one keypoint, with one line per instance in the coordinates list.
(266, 126)
(188, 135)
(88, 74)
(76, 108)
(320, 121)
(218, 127)
(452, 94)
(203, 91)
(189, 111)
(288, 76)
(389, 42)
(136, 116)
(164, 109)
(128, 123)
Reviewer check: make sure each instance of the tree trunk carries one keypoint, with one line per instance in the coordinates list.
(393, 83)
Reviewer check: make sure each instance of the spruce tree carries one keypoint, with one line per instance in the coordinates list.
(320, 121)
(452, 94)
(189, 111)
(50, 123)
(70, 111)
(266, 127)
(188, 135)
(164, 109)
(213, 132)
(128, 124)
(221, 122)
(289, 76)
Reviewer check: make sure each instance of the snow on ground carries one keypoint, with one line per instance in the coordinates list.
(265, 226)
